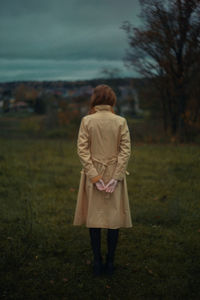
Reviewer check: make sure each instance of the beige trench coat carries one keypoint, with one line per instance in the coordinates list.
(104, 148)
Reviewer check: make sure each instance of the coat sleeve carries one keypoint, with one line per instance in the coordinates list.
(84, 154)
(124, 152)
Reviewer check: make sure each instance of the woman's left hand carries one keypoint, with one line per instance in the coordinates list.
(100, 185)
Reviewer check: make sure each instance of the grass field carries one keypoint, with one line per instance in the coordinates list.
(43, 256)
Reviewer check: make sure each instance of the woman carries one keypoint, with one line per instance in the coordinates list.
(104, 148)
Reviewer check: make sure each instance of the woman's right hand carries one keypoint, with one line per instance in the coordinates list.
(111, 185)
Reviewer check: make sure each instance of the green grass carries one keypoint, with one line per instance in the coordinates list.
(43, 256)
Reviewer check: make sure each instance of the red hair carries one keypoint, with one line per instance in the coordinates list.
(102, 94)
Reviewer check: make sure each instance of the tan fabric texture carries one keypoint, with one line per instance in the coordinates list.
(104, 149)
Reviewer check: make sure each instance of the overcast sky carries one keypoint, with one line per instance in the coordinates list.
(63, 39)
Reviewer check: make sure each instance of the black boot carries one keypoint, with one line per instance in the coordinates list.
(95, 239)
(112, 239)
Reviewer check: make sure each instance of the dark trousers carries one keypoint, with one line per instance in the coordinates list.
(95, 239)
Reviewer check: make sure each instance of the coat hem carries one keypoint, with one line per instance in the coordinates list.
(103, 226)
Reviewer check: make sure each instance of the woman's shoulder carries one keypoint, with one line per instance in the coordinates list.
(114, 121)
(112, 117)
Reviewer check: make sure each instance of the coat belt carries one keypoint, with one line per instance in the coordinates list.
(107, 163)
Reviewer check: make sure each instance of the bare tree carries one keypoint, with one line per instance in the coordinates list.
(111, 72)
(167, 48)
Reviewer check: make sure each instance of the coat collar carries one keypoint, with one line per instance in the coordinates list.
(101, 107)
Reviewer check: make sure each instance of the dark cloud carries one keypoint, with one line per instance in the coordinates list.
(27, 69)
(63, 30)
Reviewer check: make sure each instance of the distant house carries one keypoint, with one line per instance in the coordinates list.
(19, 106)
(84, 110)
(1, 106)
(86, 90)
(129, 101)
(126, 109)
